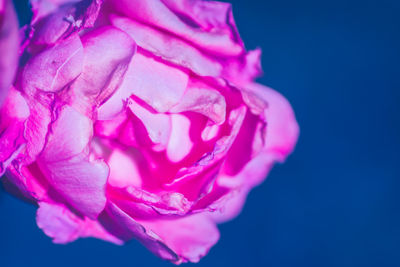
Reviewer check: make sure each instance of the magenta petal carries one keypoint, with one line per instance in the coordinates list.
(158, 125)
(272, 146)
(49, 71)
(54, 27)
(169, 47)
(121, 225)
(101, 75)
(9, 45)
(177, 240)
(12, 118)
(69, 135)
(76, 14)
(36, 126)
(204, 100)
(241, 151)
(80, 181)
(179, 143)
(27, 182)
(67, 166)
(59, 223)
(213, 38)
(190, 237)
(209, 15)
(141, 204)
(42, 8)
(282, 127)
(55, 67)
(245, 69)
(160, 86)
(125, 167)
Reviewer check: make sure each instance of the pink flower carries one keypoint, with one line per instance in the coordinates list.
(141, 120)
(9, 45)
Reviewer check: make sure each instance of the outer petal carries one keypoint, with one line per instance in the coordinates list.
(160, 14)
(26, 182)
(190, 237)
(241, 151)
(12, 117)
(169, 47)
(141, 204)
(122, 226)
(48, 72)
(41, 8)
(108, 52)
(59, 223)
(238, 69)
(67, 166)
(69, 135)
(53, 19)
(179, 240)
(37, 124)
(9, 46)
(209, 15)
(54, 68)
(273, 146)
(282, 129)
(244, 69)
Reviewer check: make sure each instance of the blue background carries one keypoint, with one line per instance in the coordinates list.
(336, 201)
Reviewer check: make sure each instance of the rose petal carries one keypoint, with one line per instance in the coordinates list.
(215, 39)
(42, 8)
(241, 151)
(243, 69)
(36, 126)
(179, 240)
(54, 68)
(48, 17)
(142, 204)
(282, 128)
(59, 223)
(80, 181)
(28, 182)
(281, 136)
(159, 85)
(122, 226)
(12, 117)
(158, 125)
(55, 26)
(124, 168)
(67, 166)
(9, 44)
(190, 237)
(210, 15)
(197, 180)
(179, 143)
(204, 100)
(70, 135)
(168, 47)
(101, 76)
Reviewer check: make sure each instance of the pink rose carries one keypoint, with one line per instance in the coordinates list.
(9, 45)
(141, 120)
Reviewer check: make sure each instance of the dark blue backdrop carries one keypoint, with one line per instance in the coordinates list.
(336, 201)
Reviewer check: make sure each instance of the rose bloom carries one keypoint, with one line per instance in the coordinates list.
(134, 119)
